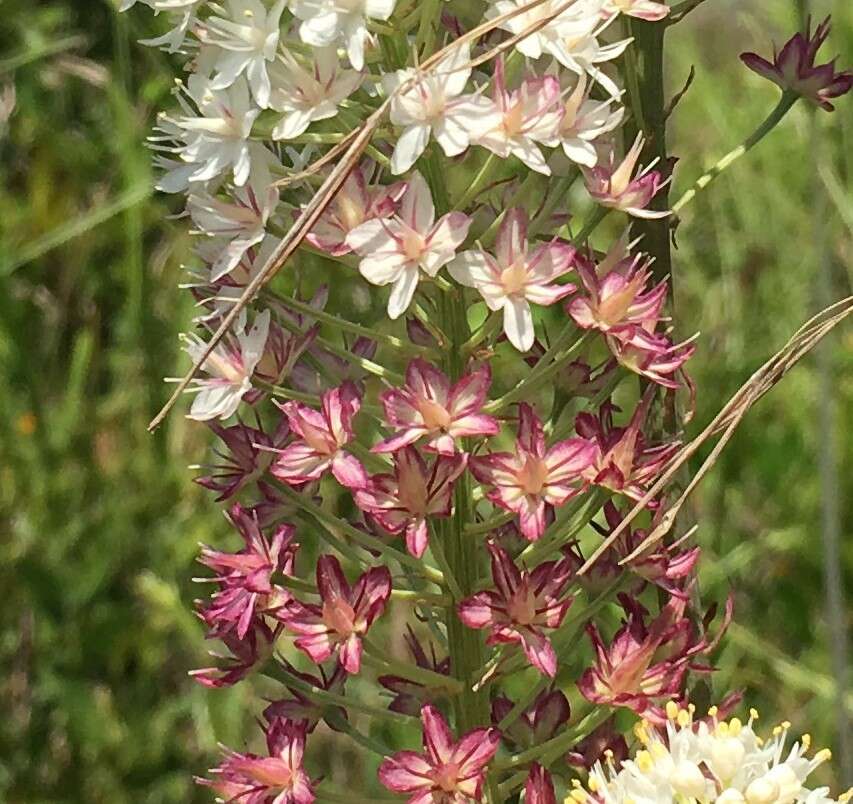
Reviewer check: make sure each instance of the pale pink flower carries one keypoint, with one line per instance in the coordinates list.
(304, 92)
(612, 185)
(345, 613)
(356, 202)
(447, 772)
(526, 116)
(522, 604)
(793, 69)
(402, 502)
(396, 250)
(584, 120)
(616, 293)
(321, 436)
(651, 355)
(230, 366)
(535, 477)
(279, 777)
(516, 276)
(641, 9)
(429, 406)
(435, 106)
(238, 222)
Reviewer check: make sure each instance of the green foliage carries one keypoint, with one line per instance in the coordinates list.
(100, 521)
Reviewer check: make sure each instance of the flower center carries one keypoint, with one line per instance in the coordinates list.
(435, 416)
(522, 607)
(413, 245)
(350, 212)
(514, 278)
(339, 616)
(533, 477)
(513, 119)
(447, 777)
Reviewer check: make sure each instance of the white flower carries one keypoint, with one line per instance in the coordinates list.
(236, 224)
(183, 14)
(395, 250)
(325, 22)
(230, 366)
(583, 14)
(716, 761)
(246, 40)
(435, 106)
(218, 138)
(583, 121)
(308, 93)
(516, 276)
(525, 116)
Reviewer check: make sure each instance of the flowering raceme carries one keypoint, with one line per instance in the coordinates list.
(433, 468)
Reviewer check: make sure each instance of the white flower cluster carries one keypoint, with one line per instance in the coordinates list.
(264, 73)
(710, 761)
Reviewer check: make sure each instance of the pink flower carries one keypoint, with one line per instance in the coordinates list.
(429, 406)
(447, 772)
(604, 741)
(646, 664)
(533, 478)
(395, 251)
(651, 355)
(611, 185)
(793, 69)
(526, 116)
(356, 202)
(245, 578)
(539, 787)
(344, 615)
(617, 295)
(246, 456)
(320, 438)
(624, 461)
(401, 502)
(279, 777)
(409, 696)
(522, 604)
(516, 276)
(538, 723)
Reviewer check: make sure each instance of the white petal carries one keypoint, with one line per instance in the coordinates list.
(402, 292)
(416, 207)
(384, 269)
(411, 144)
(518, 324)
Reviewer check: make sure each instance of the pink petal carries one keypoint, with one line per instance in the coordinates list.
(468, 395)
(475, 750)
(405, 772)
(417, 537)
(348, 471)
(477, 611)
(511, 241)
(438, 741)
(539, 652)
(350, 654)
(331, 581)
(539, 788)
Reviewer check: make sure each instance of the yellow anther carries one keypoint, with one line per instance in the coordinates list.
(824, 755)
(683, 718)
(576, 783)
(691, 708)
(722, 729)
(753, 714)
(806, 740)
(759, 741)
(672, 710)
(658, 751)
(786, 724)
(579, 795)
(592, 784)
(712, 712)
(846, 796)
(641, 733)
(608, 754)
(735, 726)
(644, 761)
(777, 730)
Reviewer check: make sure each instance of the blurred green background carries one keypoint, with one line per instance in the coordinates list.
(99, 521)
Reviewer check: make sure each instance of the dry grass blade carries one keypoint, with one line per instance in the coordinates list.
(351, 150)
(725, 422)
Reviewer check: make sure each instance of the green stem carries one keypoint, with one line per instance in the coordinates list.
(591, 224)
(481, 180)
(787, 100)
(378, 658)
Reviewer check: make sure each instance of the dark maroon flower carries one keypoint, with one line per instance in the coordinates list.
(539, 787)
(538, 723)
(409, 696)
(793, 68)
(301, 709)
